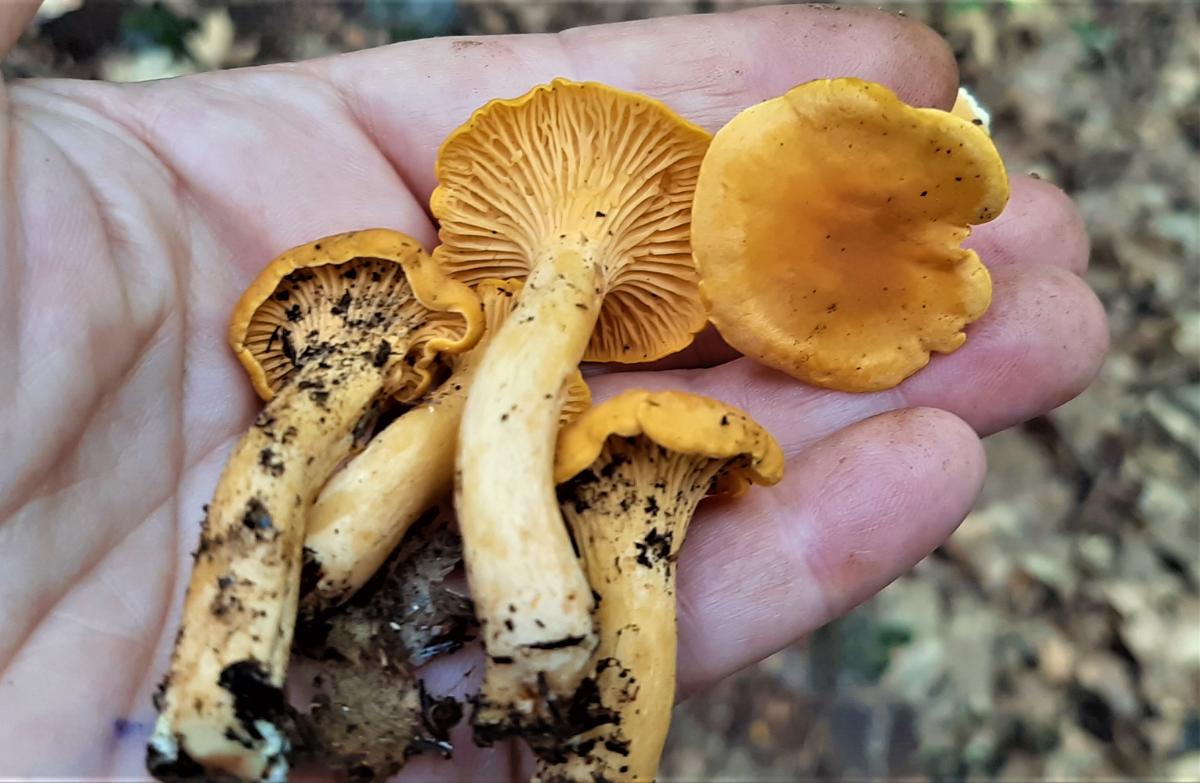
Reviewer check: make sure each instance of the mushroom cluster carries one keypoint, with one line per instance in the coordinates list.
(819, 232)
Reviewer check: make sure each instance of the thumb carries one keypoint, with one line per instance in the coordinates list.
(14, 17)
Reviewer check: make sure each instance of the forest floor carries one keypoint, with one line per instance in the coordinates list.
(1057, 634)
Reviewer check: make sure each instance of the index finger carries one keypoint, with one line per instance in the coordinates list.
(409, 96)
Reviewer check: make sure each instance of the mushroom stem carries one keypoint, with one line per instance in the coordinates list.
(366, 508)
(629, 514)
(222, 700)
(530, 593)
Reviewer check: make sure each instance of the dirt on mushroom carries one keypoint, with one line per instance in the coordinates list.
(368, 710)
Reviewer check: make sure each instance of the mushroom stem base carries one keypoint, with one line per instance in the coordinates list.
(629, 513)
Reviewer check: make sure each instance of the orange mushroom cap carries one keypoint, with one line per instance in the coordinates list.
(827, 228)
(580, 162)
(264, 328)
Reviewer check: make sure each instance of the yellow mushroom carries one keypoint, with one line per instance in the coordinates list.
(634, 469)
(585, 192)
(326, 333)
(364, 511)
(827, 232)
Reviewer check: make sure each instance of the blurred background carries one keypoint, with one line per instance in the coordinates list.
(1057, 635)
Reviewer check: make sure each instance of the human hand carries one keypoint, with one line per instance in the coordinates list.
(135, 215)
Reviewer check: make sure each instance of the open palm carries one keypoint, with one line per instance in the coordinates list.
(134, 215)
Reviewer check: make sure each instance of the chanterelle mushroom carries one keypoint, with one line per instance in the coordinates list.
(586, 192)
(634, 468)
(827, 230)
(326, 332)
(367, 507)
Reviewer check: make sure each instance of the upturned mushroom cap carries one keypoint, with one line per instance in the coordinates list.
(284, 317)
(827, 232)
(587, 164)
(678, 422)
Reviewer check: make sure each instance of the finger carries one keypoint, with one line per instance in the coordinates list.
(414, 94)
(852, 514)
(1040, 345)
(14, 18)
(1040, 225)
